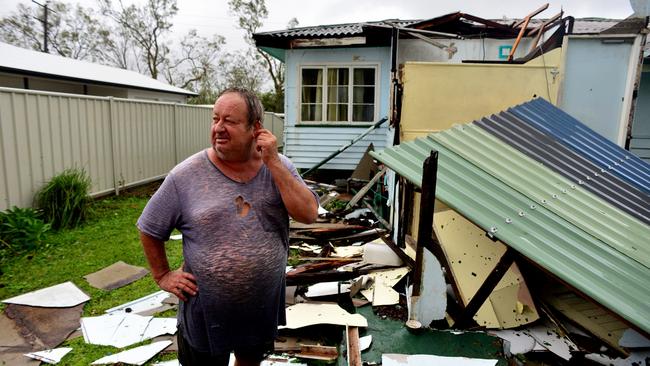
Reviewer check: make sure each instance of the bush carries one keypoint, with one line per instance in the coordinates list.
(21, 228)
(64, 200)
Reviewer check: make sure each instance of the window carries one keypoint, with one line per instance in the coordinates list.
(338, 94)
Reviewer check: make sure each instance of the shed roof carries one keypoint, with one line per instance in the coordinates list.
(20, 60)
(539, 214)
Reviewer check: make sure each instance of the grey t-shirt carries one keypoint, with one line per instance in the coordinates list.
(235, 241)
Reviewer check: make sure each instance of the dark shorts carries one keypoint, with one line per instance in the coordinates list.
(189, 356)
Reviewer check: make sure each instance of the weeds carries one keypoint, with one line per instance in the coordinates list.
(21, 229)
(64, 200)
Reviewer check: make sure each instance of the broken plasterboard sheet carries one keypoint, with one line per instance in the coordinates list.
(588, 315)
(58, 296)
(515, 342)
(272, 360)
(636, 358)
(173, 338)
(115, 276)
(381, 292)
(51, 356)
(144, 304)
(306, 314)
(327, 288)
(633, 339)
(51, 326)
(350, 251)
(549, 337)
(121, 330)
(472, 256)
(13, 344)
(394, 359)
(365, 342)
(168, 363)
(134, 356)
(176, 237)
(431, 304)
(377, 252)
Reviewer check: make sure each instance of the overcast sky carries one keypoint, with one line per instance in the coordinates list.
(212, 16)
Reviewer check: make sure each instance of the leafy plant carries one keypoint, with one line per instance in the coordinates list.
(21, 228)
(64, 200)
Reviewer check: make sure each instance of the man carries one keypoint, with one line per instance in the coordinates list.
(231, 203)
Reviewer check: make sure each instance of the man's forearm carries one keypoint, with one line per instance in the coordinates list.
(297, 198)
(154, 250)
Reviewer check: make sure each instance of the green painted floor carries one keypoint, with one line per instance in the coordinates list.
(391, 336)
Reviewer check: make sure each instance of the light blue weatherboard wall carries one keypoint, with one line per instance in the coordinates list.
(640, 143)
(308, 145)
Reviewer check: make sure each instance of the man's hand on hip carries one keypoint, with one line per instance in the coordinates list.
(179, 283)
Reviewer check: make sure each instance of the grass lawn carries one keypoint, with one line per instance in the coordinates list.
(108, 236)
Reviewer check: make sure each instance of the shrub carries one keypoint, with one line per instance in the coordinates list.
(21, 228)
(64, 200)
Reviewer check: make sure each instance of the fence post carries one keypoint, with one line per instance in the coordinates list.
(111, 127)
(175, 133)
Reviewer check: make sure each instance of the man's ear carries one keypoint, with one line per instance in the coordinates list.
(257, 125)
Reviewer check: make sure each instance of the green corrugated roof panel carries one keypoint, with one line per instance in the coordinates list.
(601, 272)
(548, 188)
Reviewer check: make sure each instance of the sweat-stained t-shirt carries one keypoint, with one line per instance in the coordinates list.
(235, 242)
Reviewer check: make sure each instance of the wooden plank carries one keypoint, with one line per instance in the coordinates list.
(425, 228)
(354, 353)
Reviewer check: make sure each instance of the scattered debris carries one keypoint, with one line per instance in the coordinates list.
(147, 305)
(305, 314)
(59, 296)
(51, 356)
(49, 326)
(134, 356)
(392, 359)
(122, 329)
(116, 275)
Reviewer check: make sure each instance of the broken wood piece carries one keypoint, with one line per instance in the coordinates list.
(354, 351)
(318, 352)
(362, 192)
(525, 22)
(58, 296)
(381, 220)
(116, 275)
(318, 266)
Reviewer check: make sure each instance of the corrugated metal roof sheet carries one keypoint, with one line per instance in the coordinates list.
(548, 151)
(608, 156)
(547, 188)
(538, 231)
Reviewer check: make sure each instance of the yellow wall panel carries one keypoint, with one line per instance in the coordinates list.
(438, 95)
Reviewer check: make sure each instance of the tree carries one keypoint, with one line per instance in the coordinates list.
(147, 27)
(250, 14)
(195, 65)
(73, 31)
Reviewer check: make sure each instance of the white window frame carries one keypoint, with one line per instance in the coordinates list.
(351, 67)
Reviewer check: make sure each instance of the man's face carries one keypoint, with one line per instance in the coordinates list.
(232, 139)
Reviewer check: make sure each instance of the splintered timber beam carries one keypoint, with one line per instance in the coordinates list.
(354, 352)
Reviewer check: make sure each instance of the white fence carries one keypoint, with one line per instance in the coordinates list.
(119, 142)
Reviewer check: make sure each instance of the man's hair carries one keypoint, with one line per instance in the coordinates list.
(253, 104)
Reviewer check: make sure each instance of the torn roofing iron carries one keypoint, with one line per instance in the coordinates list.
(573, 166)
(548, 189)
(608, 156)
(609, 276)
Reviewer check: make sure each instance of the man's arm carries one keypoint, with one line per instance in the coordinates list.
(298, 199)
(177, 282)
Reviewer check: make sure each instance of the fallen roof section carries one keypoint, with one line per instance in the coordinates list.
(583, 261)
(573, 166)
(607, 155)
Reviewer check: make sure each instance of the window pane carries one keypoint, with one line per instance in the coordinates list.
(364, 76)
(312, 76)
(312, 112)
(312, 94)
(337, 112)
(363, 113)
(364, 94)
(337, 94)
(337, 76)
